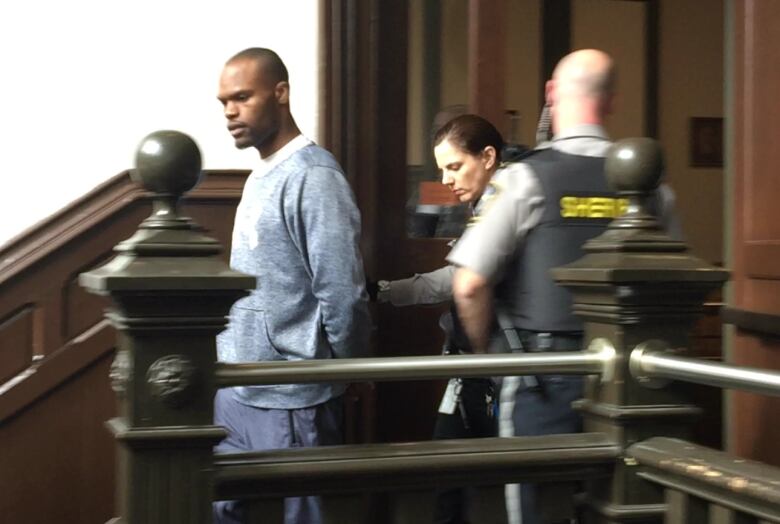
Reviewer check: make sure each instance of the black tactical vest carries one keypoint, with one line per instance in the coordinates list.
(577, 207)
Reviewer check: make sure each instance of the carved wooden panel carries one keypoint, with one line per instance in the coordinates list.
(16, 343)
(82, 310)
(58, 458)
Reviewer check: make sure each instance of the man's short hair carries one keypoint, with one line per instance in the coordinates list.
(272, 65)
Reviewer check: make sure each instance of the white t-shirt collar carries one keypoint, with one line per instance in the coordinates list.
(268, 163)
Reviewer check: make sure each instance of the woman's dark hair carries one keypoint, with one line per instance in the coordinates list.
(470, 133)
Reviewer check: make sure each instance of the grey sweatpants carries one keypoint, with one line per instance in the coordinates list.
(253, 429)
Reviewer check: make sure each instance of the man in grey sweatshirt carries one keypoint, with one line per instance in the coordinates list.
(297, 229)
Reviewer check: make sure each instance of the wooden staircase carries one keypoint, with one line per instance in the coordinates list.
(56, 349)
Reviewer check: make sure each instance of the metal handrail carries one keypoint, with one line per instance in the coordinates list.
(592, 361)
(652, 364)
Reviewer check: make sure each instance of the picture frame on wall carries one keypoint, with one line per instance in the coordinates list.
(706, 142)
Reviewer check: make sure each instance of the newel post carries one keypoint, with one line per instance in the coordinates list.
(170, 296)
(635, 284)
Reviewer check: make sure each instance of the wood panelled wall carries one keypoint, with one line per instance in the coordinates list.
(55, 349)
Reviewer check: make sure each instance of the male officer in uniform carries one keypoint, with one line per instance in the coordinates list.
(545, 207)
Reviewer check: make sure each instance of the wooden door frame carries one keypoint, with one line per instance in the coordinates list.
(556, 43)
(364, 100)
(752, 253)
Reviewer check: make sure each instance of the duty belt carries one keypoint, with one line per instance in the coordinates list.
(535, 342)
(521, 340)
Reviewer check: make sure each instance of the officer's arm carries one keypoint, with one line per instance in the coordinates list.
(474, 298)
(433, 287)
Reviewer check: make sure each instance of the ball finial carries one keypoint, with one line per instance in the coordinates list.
(167, 162)
(634, 165)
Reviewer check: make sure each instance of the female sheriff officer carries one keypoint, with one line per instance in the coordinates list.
(468, 152)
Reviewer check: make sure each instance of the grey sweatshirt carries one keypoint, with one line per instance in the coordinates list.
(297, 229)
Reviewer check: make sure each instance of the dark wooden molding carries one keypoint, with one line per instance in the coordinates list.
(16, 328)
(652, 66)
(41, 378)
(714, 476)
(486, 52)
(53, 233)
(356, 34)
(556, 43)
(341, 66)
(432, 66)
(415, 465)
(755, 321)
(367, 113)
(556, 36)
(56, 348)
(39, 270)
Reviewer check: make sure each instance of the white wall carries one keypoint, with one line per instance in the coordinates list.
(84, 81)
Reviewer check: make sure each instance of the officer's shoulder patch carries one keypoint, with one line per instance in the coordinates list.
(492, 190)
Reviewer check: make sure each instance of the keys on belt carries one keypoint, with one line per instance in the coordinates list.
(453, 399)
